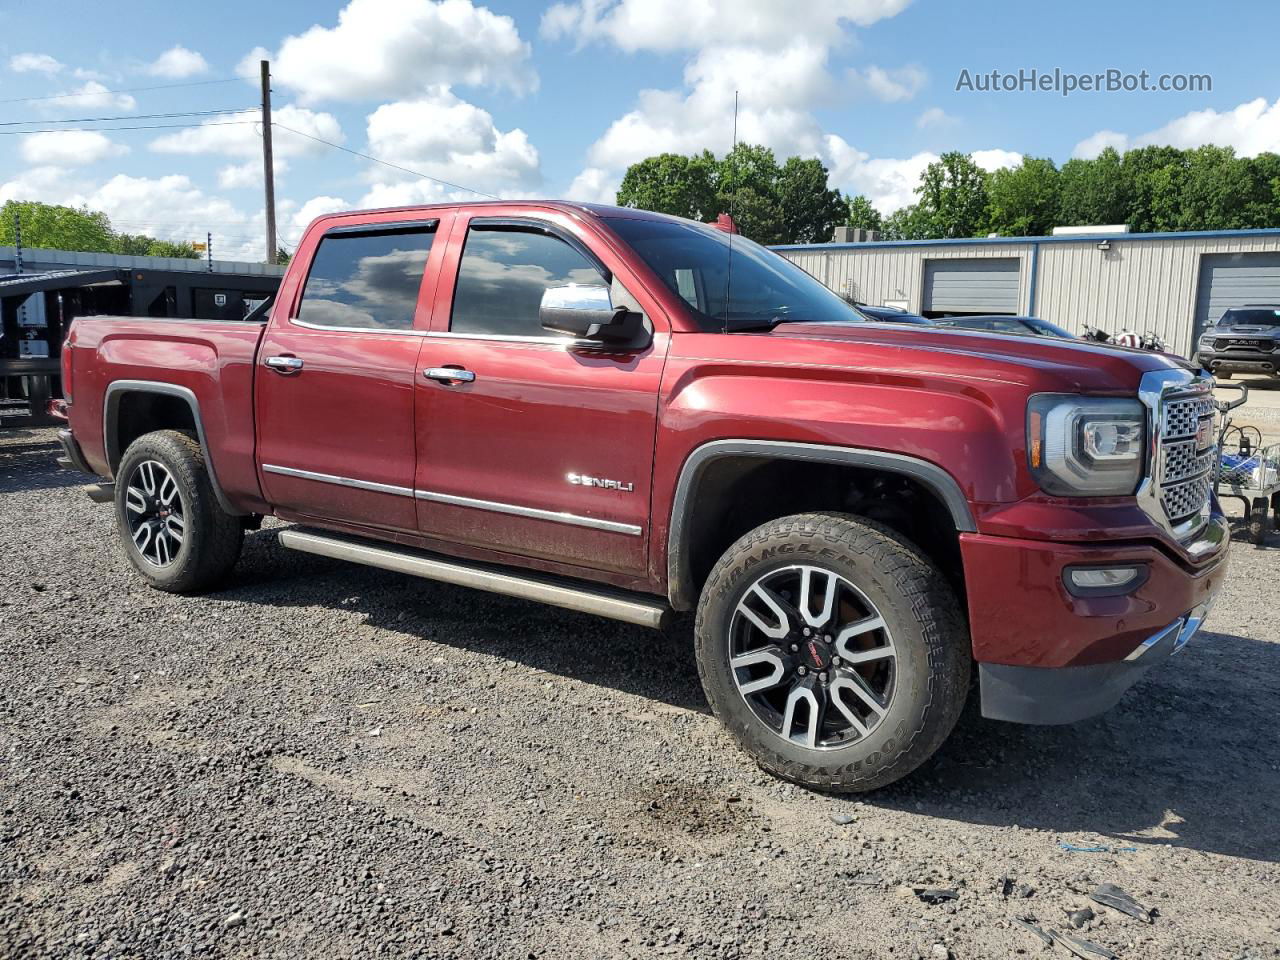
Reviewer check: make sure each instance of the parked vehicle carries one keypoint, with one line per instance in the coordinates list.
(1244, 340)
(630, 414)
(1023, 326)
(888, 314)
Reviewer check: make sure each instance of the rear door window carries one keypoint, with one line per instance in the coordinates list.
(366, 280)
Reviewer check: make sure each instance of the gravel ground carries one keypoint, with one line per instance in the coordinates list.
(328, 761)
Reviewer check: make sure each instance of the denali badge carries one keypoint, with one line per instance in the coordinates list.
(582, 480)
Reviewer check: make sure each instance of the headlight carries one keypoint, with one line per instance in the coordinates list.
(1086, 446)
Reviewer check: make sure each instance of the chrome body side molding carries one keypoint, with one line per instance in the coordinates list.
(680, 588)
(110, 416)
(573, 519)
(337, 480)
(494, 506)
(629, 608)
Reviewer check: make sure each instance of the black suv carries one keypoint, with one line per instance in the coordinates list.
(1245, 340)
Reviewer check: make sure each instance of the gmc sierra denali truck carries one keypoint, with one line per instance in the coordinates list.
(631, 414)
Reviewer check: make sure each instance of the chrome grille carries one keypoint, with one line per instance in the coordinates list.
(1182, 500)
(1185, 472)
(1182, 461)
(1181, 418)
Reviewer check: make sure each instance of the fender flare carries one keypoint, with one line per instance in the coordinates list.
(680, 589)
(111, 411)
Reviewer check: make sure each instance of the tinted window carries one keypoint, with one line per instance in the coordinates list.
(502, 276)
(761, 288)
(994, 326)
(366, 279)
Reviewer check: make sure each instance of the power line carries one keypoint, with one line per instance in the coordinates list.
(102, 93)
(151, 126)
(132, 116)
(386, 163)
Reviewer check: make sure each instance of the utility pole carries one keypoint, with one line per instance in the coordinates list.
(268, 165)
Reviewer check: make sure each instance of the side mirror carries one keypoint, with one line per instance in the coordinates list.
(585, 311)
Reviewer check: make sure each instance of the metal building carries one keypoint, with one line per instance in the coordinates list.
(1172, 284)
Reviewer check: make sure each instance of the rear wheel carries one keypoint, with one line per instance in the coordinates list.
(171, 526)
(833, 651)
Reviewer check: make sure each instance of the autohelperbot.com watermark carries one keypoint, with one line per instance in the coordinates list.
(1066, 82)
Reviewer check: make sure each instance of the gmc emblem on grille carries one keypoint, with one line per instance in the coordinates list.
(1204, 434)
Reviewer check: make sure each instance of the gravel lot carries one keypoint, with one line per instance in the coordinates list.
(329, 761)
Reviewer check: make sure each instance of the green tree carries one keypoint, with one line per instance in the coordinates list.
(674, 184)
(810, 209)
(953, 196)
(56, 227)
(1093, 191)
(1152, 181)
(862, 215)
(172, 248)
(910, 223)
(1023, 200)
(283, 257)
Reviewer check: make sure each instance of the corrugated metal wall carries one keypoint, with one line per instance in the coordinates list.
(879, 275)
(1140, 283)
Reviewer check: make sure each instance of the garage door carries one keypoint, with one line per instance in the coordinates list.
(971, 286)
(1232, 280)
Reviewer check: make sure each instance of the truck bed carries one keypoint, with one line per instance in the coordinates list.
(213, 359)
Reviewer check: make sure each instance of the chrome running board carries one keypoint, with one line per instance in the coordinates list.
(615, 604)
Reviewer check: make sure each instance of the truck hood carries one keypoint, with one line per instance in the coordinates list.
(1044, 364)
(1247, 330)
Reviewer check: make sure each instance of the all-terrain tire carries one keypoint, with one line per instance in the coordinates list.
(923, 617)
(212, 537)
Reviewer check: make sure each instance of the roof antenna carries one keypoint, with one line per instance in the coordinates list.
(728, 272)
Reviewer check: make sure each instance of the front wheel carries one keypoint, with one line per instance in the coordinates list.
(834, 652)
(172, 528)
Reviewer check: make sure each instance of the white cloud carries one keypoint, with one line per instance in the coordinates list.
(166, 207)
(774, 87)
(1251, 128)
(177, 63)
(445, 137)
(33, 63)
(935, 117)
(92, 95)
(70, 148)
(382, 49)
(593, 185)
(238, 134)
(889, 183)
(248, 174)
(680, 25)
(315, 207)
(47, 184)
(891, 86)
(990, 160)
(1091, 146)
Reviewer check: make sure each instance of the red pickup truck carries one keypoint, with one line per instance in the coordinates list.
(631, 414)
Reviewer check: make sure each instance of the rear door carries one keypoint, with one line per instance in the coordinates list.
(335, 378)
(541, 448)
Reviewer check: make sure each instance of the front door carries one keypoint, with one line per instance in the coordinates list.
(537, 448)
(336, 375)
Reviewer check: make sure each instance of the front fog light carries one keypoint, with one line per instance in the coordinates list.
(1104, 581)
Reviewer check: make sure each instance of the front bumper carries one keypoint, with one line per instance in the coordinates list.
(1048, 695)
(1239, 361)
(1046, 655)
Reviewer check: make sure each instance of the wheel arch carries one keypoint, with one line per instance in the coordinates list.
(697, 479)
(116, 407)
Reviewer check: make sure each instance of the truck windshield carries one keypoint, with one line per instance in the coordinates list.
(1251, 316)
(755, 290)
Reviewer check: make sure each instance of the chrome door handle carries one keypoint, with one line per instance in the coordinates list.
(284, 364)
(449, 374)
